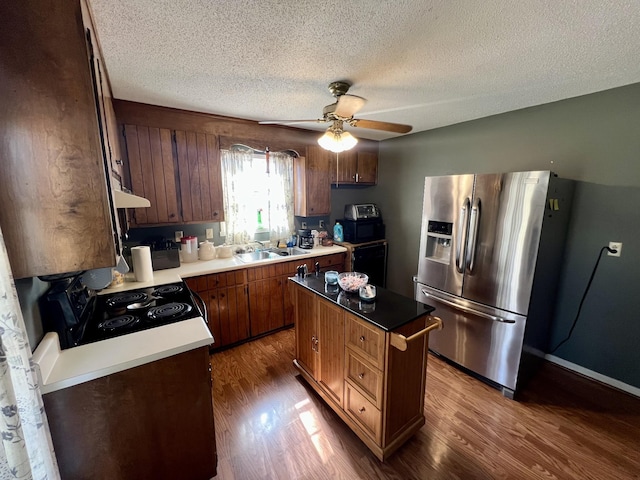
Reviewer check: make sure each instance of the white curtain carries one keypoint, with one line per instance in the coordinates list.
(248, 188)
(27, 450)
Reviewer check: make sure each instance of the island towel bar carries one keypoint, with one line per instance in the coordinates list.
(400, 341)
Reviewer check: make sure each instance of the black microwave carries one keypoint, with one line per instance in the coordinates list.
(363, 230)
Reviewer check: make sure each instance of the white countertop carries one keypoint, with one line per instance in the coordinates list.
(58, 369)
(204, 267)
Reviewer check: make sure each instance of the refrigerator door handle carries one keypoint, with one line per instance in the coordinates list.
(467, 309)
(463, 226)
(474, 220)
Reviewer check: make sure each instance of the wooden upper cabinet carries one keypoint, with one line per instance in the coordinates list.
(312, 195)
(178, 172)
(200, 176)
(56, 215)
(358, 166)
(153, 173)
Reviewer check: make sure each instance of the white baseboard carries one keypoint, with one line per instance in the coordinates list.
(595, 375)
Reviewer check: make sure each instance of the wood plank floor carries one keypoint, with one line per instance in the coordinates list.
(270, 425)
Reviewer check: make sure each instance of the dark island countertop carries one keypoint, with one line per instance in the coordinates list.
(389, 311)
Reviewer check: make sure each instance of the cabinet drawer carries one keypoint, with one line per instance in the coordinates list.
(367, 379)
(331, 260)
(365, 413)
(367, 340)
(226, 279)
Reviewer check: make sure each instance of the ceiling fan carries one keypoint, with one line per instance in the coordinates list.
(341, 112)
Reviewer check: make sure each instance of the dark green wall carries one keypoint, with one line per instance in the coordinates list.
(593, 139)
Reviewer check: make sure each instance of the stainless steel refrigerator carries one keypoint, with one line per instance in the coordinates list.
(490, 253)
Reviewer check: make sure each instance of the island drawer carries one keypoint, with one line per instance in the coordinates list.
(366, 339)
(363, 412)
(364, 377)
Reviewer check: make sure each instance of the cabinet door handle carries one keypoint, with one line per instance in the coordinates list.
(361, 410)
(362, 339)
(361, 375)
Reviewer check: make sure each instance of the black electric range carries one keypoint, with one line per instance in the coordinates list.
(79, 316)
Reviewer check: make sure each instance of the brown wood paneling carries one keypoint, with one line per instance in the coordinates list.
(135, 169)
(151, 421)
(148, 175)
(156, 160)
(230, 130)
(194, 176)
(183, 169)
(331, 349)
(215, 179)
(203, 176)
(169, 167)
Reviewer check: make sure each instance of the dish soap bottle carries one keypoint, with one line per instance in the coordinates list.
(338, 235)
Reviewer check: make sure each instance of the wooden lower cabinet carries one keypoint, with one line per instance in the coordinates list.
(226, 297)
(330, 349)
(150, 421)
(251, 302)
(377, 389)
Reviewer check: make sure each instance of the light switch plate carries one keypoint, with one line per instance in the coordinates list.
(208, 233)
(178, 235)
(303, 225)
(321, 224)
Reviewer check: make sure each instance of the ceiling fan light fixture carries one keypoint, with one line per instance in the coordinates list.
(337, 140)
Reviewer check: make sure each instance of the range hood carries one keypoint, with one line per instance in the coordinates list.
(128, 200)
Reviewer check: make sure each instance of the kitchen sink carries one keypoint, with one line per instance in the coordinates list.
(256, 256)
(288, 251)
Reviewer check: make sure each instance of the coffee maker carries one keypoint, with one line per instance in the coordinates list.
(305, 239)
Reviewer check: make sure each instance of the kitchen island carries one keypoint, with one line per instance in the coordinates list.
(366, 360)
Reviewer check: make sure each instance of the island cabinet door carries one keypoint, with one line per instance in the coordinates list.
(306, 334)
(331, 349)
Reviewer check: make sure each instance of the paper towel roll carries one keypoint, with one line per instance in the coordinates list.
(142, 267)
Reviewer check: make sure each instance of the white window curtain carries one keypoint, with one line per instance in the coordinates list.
(251, 183)
(27, 450)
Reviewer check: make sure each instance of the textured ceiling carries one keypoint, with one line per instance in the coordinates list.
(427, 63)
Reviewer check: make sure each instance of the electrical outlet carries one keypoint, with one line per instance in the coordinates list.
(178, 235)
(303, 225)
(208, 233)
(617, 246)
(321, 224)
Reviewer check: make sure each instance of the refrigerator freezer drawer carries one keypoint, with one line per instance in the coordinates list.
(484, 340)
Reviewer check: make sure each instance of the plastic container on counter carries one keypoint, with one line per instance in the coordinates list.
(189, 249)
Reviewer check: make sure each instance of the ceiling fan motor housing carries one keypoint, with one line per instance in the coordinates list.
(339, 88)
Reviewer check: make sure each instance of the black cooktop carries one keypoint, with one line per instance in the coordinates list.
(134, 310)
(79, 316)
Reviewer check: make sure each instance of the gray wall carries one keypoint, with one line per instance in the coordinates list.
(595, 140)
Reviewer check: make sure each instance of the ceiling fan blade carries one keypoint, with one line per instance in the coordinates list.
(348, 105)
(375, 125)
(291, 122)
